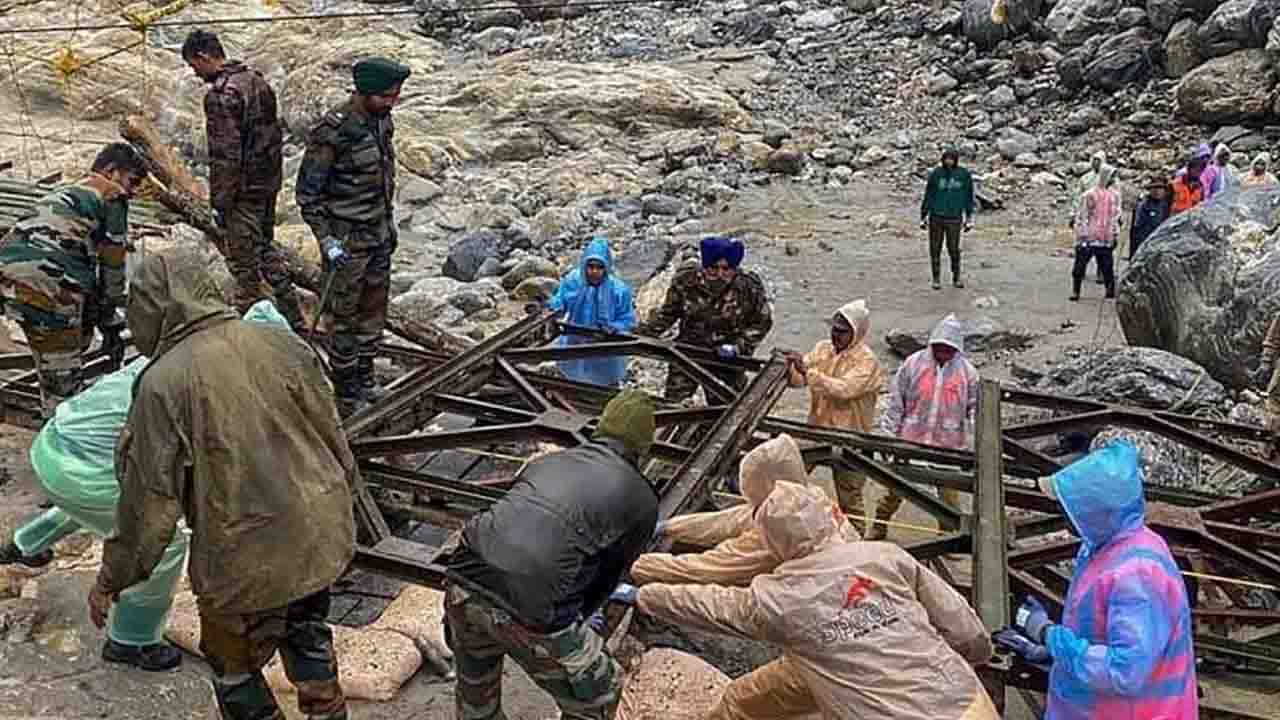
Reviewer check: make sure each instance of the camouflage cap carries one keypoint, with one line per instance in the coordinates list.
(629, 418)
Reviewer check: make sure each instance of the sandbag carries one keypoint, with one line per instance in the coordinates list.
(671, 685)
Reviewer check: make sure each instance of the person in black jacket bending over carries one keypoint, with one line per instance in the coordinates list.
(530, 571)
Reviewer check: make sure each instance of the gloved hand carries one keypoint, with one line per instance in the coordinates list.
(598, 622)
(727, 351)
(924, 223)
(659, 529)
(1034, 653)
(968, 225)
(219, 219)
(624, 593)
(334, 252)
(1032, 619)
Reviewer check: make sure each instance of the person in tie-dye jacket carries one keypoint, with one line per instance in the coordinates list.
(933, 399)
(1123, 648)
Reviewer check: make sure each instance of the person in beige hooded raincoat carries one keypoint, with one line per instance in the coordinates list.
(234, 427)
(844, 379)
(864, 628)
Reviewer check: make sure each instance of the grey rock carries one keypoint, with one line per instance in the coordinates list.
(1000, 98)
(1138, 376)
(496, 40)
(981, 334)
(1273, 42)
(556, 223)
(1203, 285)
(1071, 70)
(1123, 60)
(942, 83)
(535, 288)
(530, 267)
(1131, 17)
(1072, 22)
(1085, 119)
(832, 156)
(1047, 178)
(659, 204)
(944, 21)
(1163, 462)
(1237, 25)
(862, 6)
(506, 17)
(979, 131)
(1012, 142)
(1182, 49)
(1164, 13)
(981, 31)
(818, 20)
(775, 133)
(469, 253)
(491, 267)
(1227, 89)
(1029, 161)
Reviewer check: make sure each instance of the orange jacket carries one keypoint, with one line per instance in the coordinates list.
(1185, 197)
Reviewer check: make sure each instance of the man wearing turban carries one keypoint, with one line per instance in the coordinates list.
(718, 306)
(346, 187)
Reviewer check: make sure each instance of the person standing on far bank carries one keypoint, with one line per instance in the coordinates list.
(946, 210)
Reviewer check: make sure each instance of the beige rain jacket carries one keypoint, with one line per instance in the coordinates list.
(233, 427)
(738, 552)
(843, 386)
(872, 632)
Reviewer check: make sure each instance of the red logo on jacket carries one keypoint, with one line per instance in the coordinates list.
(858, 590)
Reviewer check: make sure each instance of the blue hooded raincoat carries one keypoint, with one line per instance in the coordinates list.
(607, 306)
(1123, 649)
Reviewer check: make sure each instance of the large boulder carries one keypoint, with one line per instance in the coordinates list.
(1236, 25)
(1206, 284)
(1164, 13)
(984, 33)
(1227, 89)
(1125, 59)
(468, 254)
(1072, 22)
(1138, 376)
(1182, 49)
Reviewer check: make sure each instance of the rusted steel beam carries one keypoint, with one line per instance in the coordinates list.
(446, 440)
(956, 542)
(1052, 426)
(1245, 507)
(1043, 554)
(690, 486)
(950, 518)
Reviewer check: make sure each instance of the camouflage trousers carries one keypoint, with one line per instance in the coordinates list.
(681, 386)
(238, 647)
(253, 257)
(571, 664)
(57, 319)
(358, 302)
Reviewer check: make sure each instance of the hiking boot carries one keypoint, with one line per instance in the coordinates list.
(957, 283)
(161, 657)
(1074, 298)
(10, 555)
(937, 285)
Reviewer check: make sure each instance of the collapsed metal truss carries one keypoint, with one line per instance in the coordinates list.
(453, 431)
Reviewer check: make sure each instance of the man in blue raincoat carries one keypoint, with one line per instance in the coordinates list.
(1123, 648)
(591, 296)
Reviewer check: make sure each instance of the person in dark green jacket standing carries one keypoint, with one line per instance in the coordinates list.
(946, 209)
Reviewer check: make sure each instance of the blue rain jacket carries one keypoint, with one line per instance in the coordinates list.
(1123, 649)
(608, 306)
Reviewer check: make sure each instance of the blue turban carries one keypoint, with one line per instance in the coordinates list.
(717, 247)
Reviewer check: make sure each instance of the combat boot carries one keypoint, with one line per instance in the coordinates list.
(349, 391)
(369, 380)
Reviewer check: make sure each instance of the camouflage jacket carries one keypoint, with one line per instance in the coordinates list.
(348, 176)
(245, 136)
(74, 238)
(738, 315)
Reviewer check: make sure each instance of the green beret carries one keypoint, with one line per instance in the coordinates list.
(629, 417)
(376, 75)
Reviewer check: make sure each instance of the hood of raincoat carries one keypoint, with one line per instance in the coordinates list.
(1105, 174)
(169, 296)
(859, 318)
(948, 332)
(799, 523)
(598, 250)
(1100, 156)
(1202, 152)
(1102, 493)
(762, 468)
(1221, 152)
(1263, 159)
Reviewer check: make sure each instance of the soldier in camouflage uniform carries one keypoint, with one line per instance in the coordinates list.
(245, 170)
(62, 270)
(346, 186)
(717, 306)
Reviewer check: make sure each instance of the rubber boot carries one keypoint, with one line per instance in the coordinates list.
(350, 392)
(1075, 288)
(161, 657)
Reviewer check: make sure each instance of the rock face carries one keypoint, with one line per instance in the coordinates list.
(1181, 49)
(1164, 13)
(1206, 284)
(979, 29)
(467, 255)
(1231, 88)
(1073, 22)
(981, 334)
(1237, 25)
(1139, 376)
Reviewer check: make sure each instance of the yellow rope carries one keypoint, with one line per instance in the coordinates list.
(1231, 581)
(908, 526)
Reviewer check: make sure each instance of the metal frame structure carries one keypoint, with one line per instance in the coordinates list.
(453, 431)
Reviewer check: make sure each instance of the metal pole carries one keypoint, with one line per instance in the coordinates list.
(990, 531)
